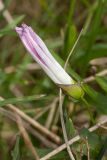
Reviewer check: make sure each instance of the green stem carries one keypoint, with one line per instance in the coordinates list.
(88, 107)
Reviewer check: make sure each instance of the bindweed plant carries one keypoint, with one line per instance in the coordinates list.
(29, 100)
(41, 54)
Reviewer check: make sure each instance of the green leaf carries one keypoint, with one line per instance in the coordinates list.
(71, 11)
(97, 51)
(97, 99)
(21, 99)
(59, 156)
(92, 138)
(71, 32)
(16, 21)
(86, 3)
(70, 128)
(2, 77)
(70, 70)
(98, 12)
(86, 50)
(102, 81)
(70, 38)
(84, 132)
(9, 27)
(102, 151)
(16, 151)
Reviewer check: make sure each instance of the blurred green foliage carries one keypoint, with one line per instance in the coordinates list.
(59, 24)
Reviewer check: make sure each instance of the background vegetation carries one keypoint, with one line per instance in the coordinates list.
(29, 114)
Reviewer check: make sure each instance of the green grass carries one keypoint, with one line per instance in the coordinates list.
(58, 23)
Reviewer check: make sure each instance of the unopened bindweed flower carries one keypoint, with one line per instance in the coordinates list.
(41, 54)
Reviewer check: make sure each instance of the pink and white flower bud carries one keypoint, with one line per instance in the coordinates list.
(41, 54)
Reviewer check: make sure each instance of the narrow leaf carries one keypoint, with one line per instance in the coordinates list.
(102, 82)
(21, 99)
(16, 151)
(96, 98)
(102, 151)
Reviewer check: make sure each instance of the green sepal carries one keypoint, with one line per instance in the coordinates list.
(74, 90)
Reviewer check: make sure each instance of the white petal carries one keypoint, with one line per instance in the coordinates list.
(29, 46)
(41, 54)
(55, 68)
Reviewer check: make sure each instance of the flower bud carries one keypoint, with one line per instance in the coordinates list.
(38, 50)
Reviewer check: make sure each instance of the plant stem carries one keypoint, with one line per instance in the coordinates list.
(87, 106)
(63, 126)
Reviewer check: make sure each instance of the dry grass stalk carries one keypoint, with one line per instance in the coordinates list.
(26, 137)
(31, 130)
(6, 13)
(43, 111)
(88, 149)
(51, 113)
(60, 101)
(34, 123)
(73, 140)
(56, 118)
(92, 78)
(29, 67)
(63, 126)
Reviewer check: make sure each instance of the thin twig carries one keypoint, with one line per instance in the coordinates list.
(67, 60)
(30, 67)
(1, 5)
(51, 113)
(63, 126)
(60, 102)
(85, 141)
(73, 140)
(6, 13)
(56, 118)
(43, 111)
(50, 117)
(104, 127)
(26, 137)
(92, 78)
(35, 133)
(88, 149)
(34, 123)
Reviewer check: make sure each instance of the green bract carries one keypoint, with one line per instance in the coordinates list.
(74, 90)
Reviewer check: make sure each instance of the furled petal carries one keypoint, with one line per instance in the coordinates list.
(40, 53)
(32, 51)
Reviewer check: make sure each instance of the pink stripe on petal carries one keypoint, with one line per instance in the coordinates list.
(34, 51)
(41, 44)
(57, 70)
(41, 54)
(28, 44)
(35, 55)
